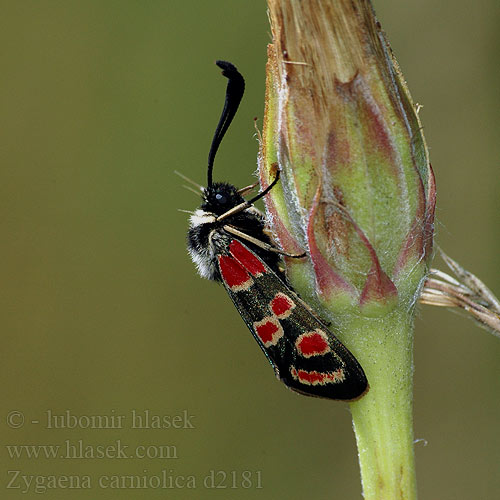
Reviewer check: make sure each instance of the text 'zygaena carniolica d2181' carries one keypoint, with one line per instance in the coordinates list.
(228, 243)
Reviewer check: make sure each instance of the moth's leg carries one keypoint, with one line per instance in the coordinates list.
(259, 243)
(246, 189)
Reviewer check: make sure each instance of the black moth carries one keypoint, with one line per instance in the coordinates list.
(228, 243)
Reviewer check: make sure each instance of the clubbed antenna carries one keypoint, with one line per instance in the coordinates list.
(234, 93)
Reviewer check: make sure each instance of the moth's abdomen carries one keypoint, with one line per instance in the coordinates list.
(204, 260)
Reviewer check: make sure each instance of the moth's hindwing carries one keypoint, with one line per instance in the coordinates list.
(305, 355)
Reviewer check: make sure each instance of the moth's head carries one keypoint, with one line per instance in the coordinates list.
(220, 197)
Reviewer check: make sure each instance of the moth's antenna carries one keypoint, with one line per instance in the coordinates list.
(234, 93)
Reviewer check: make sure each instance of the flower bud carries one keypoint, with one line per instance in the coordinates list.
(357, 190)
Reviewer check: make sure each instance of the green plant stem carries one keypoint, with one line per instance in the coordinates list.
(383, 417)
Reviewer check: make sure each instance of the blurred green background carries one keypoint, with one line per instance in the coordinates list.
(102, 311)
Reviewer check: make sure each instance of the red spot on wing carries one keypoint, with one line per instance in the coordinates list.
(313, 343)
(268, 330)
(246, 258)
(233, 274)
(281, 305)
(317, 378)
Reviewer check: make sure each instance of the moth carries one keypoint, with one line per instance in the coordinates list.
(228, 243)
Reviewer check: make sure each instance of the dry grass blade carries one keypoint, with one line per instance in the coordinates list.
(467, 293)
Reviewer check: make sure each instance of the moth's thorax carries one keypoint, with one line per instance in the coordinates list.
(207, 237)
